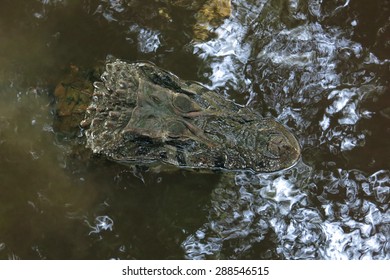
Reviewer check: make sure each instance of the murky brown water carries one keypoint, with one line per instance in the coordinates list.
(320, 68)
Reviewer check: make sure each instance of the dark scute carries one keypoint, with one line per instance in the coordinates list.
(162, 80)
(176, 129)
(183, 103)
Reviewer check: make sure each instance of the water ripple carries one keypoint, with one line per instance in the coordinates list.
(350, 228)
(102, 223)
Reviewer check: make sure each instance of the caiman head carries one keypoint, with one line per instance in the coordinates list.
(142, 114)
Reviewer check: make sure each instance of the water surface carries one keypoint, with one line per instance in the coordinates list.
(319, 67)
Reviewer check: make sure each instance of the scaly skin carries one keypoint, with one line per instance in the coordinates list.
(141, 114)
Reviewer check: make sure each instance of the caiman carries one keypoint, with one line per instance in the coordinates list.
(139, 113)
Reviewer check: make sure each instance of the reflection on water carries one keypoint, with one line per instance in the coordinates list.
(320, 68)
(351, 223)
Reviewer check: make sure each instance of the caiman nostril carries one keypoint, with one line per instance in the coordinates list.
(276, 145)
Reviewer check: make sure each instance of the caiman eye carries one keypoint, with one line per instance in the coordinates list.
(184, 104)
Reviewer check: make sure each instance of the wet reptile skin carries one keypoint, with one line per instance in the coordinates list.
(142, 114)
